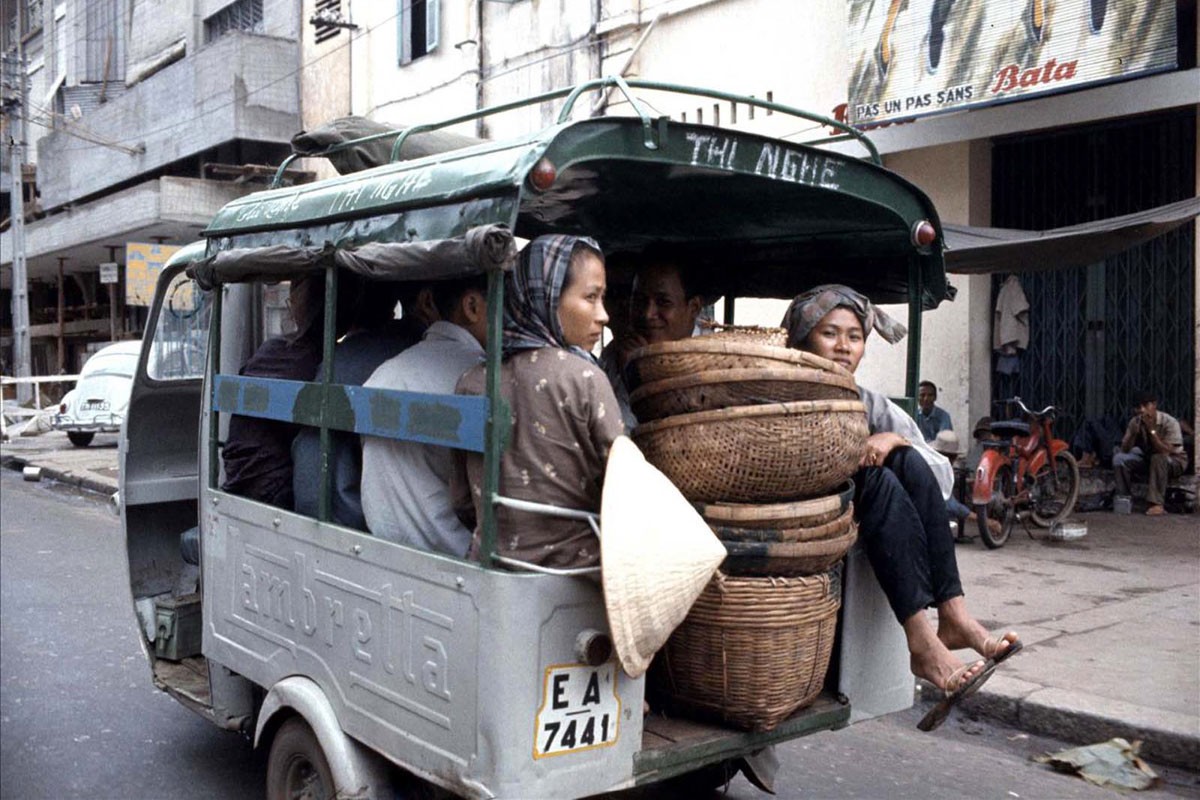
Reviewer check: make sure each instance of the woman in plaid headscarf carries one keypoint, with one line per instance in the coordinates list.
(564, 414)
(900, 501)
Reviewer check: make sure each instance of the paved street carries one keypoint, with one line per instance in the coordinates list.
(80, 718)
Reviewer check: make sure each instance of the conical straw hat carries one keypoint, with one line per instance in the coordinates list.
(656, 555)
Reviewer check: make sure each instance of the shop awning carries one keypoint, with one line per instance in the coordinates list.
(973, 251)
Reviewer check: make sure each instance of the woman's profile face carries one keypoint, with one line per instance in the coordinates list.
(581, 306)
(839, 337)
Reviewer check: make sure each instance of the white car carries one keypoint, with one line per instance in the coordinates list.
(100, 399)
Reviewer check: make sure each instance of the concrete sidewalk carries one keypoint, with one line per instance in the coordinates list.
(1111, 622)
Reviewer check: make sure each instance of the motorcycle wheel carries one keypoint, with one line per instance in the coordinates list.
(999, 509)
(1055, 490)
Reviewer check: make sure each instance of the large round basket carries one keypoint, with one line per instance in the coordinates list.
(750, 454)
(723, 388)
(657, 362)
(780, 516)
(752, 650)
(787, 559)
(834, 529)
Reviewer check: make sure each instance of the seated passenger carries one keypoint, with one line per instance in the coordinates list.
(406, 485)
(900, 496)
(662, 308)
(258, 452)
(373, 337)
(565, 416)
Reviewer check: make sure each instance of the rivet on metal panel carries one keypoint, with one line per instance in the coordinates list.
(356, 549)
(460, 581)
(216, 500)
(276, 522)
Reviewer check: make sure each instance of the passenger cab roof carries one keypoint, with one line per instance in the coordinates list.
(757, 216)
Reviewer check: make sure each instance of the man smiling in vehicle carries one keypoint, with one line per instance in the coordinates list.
(663, 307)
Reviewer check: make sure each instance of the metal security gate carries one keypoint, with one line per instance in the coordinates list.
(1101, 332)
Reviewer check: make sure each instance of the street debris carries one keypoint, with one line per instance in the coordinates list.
(1114, 762)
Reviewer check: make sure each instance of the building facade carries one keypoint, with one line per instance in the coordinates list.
(141, 118)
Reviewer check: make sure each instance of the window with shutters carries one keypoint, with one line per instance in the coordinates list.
(417, 30)
(242, 15)
(326, 20)
(102, 45)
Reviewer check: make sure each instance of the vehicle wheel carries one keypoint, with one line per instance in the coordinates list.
(80, 438)
(999, 510)
(297, 768)
(1055, 490)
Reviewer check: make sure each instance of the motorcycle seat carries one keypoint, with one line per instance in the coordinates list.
(1010, 427)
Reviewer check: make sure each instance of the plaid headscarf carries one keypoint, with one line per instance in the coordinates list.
(532, 294)
(811, 307)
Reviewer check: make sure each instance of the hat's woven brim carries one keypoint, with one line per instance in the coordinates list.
(656, 555)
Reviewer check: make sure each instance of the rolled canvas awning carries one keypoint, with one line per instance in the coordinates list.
(973, 251)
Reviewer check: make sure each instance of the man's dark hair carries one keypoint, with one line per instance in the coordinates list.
(930, 384)
(1143, 396)
(447, 294)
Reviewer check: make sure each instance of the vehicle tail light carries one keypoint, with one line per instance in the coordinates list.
(542, 176)
(923, 233)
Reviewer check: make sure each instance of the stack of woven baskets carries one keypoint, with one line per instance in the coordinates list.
(762, 439)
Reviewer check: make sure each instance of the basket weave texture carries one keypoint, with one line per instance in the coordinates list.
(788, 559)
(780, 516)
(834, 529)
(752, 650)
(750, 334)
(750, 454)
(704, 391)
(657, 362)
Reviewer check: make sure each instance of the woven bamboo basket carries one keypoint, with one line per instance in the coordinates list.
(657, 362)
(780, 516)
(705, 391)
(750, 334)
(752, 651)
(787, 559)
(833, 529)
(750, 454)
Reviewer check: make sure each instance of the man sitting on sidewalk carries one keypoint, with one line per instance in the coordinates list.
(1153, 444)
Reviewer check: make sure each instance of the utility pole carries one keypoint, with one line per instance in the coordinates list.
(14, 104)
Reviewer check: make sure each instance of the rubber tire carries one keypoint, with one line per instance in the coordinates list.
(296, 767)
(1002, 488)
(1042, 521)
(80, 438)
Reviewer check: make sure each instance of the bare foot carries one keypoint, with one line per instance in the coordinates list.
(942, 669)
(1156, 511)
(958, 629)
(931, 660)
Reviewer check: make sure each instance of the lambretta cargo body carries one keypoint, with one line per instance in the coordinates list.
(362, 663)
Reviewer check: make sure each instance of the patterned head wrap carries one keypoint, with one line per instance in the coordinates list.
(811, 307)
(532, 294)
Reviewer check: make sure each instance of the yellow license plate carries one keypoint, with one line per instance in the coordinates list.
(580, 710)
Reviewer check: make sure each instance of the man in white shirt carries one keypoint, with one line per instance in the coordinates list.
(406, 485)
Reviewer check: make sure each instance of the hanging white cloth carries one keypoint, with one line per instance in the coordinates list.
(1010, 331)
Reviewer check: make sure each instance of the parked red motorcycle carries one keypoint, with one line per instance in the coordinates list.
(1024, 472)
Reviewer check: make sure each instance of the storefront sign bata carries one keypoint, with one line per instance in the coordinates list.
(911, 58)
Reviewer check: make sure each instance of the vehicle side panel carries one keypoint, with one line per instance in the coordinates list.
(434, 662)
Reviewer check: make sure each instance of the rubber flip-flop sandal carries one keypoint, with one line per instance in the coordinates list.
(938, 714)
(1012, 649)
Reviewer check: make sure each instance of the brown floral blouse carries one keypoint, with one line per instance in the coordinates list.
(564, 419)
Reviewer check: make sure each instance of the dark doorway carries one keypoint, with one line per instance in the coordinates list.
(1098, 333)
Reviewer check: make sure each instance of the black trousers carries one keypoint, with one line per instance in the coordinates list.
(903, 524)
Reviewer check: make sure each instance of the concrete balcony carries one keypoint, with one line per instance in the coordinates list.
(173, 210)
(240, 87)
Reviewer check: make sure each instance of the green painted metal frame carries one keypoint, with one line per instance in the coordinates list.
(214, 369)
